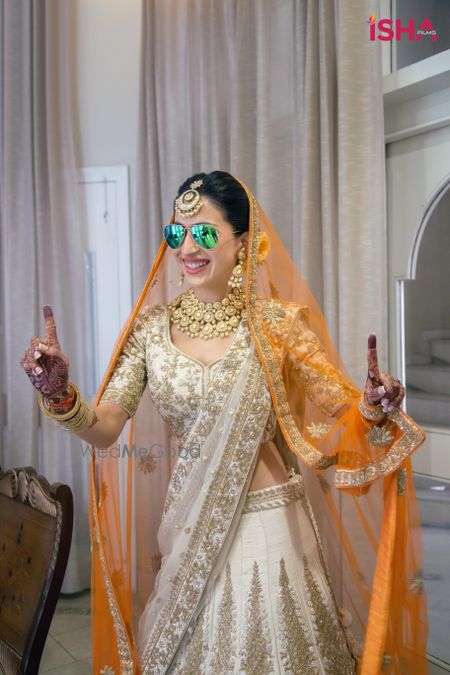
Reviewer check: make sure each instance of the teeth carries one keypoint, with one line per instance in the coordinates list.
(195, 265)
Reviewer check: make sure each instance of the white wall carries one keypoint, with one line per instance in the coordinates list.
(107, 37)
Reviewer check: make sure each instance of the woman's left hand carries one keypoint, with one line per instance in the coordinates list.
(381, 387)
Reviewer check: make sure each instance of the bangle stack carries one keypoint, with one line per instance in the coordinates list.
(78, 418)
(374, 413)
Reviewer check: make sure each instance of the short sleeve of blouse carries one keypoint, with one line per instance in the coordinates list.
(129, 378)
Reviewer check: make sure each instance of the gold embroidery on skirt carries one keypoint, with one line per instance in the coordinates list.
(354, 646)
(256, 653)
(197, 649)
(297, 649)
(330, 638)
(224, 651)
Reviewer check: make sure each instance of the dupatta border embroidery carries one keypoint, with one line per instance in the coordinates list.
(211, 405)
(123, 646)
(284, 313)
(400, 450)
(218, 508)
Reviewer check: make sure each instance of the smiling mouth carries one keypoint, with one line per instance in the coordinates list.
(195, 265)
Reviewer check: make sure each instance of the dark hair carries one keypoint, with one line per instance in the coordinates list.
(226, 193)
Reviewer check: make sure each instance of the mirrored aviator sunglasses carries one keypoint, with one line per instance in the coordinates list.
(204, 235)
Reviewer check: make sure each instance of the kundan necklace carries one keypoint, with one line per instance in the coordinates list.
(208, 319)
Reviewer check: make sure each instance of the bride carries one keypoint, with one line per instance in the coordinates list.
(220, 544)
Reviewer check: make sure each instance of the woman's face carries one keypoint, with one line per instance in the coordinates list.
(217, 262)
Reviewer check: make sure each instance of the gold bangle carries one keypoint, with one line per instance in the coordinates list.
(82, 420)
(61, 417)
(79, 418)
(374, 413)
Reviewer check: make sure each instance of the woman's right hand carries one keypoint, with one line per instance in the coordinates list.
(45, 364)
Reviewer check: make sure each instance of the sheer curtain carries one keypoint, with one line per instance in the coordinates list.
(286, 94)
(40, 245)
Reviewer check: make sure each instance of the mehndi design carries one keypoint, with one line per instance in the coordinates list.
(45, 364)
(381, 387)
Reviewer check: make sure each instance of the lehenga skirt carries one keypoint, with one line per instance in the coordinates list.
(271, 610)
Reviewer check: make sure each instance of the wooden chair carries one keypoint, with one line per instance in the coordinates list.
(36, 521)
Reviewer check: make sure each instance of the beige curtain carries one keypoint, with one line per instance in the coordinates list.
(40, 245)
(286, 94)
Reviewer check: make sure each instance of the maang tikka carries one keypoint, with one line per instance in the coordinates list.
(188, 204)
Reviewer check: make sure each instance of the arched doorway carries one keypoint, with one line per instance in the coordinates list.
(427, 317)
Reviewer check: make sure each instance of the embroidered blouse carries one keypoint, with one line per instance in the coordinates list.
(177, 382)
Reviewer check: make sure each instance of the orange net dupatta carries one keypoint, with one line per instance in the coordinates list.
(357, 472)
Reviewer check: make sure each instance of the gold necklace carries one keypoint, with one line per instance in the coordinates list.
(208, 319)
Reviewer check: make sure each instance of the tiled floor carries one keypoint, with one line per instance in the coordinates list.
(68, 646)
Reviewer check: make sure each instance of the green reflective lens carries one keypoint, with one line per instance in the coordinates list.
(174, 235)
(204, 235)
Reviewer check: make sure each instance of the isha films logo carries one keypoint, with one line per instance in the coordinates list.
(385, 32)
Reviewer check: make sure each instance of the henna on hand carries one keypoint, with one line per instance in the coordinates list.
(381, 387)
(45, 364)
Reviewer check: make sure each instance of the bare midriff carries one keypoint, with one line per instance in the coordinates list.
(270, 469)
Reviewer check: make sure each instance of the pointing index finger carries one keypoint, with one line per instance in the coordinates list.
(50, 326)
(372, 355)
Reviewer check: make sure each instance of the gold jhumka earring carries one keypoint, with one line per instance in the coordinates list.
(235, 281)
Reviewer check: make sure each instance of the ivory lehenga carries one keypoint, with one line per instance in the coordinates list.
(194, 573)
(271, 610)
